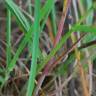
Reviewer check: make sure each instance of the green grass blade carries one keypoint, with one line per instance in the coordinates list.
(89, 21)
(48, 5)
(8, 36)
(90, 16)
(85, 28)
(36, 33)
(21, 18)
(14, 9)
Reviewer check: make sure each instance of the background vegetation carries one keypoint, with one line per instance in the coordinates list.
(47, 47)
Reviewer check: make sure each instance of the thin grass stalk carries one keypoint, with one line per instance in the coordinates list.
(8, 35)
(89, 21)
(53, 20)
(90, 72)
(81, 8)
(48, 24)
(74, 2)
(31, 82)
(30, 12)
(66, 5)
